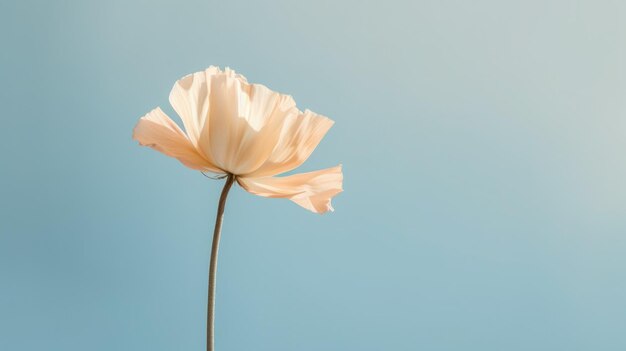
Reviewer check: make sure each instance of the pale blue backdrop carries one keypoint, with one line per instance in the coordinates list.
(483, 145)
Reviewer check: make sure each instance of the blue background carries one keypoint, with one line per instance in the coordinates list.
(485, 178)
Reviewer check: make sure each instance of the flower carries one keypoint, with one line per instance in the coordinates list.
(246, 130)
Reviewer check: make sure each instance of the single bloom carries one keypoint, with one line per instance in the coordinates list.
(247, 130)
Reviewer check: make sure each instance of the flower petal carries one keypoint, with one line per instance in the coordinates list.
(245, 122)
(190, 98)
(299, 136)
(227, 100)
(266, 117)
(313, 190)
(159, 132)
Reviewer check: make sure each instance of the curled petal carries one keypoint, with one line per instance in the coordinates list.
(159, 132)
(299, 136)
(313, 190)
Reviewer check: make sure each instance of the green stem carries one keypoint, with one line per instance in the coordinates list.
(210, 318)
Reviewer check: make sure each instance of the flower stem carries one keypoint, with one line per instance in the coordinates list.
(210, 318)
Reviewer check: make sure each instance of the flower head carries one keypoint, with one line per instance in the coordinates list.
(247, 130)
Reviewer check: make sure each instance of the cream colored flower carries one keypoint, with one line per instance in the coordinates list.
(247, 130)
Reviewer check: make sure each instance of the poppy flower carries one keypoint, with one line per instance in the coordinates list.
(246, 131)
